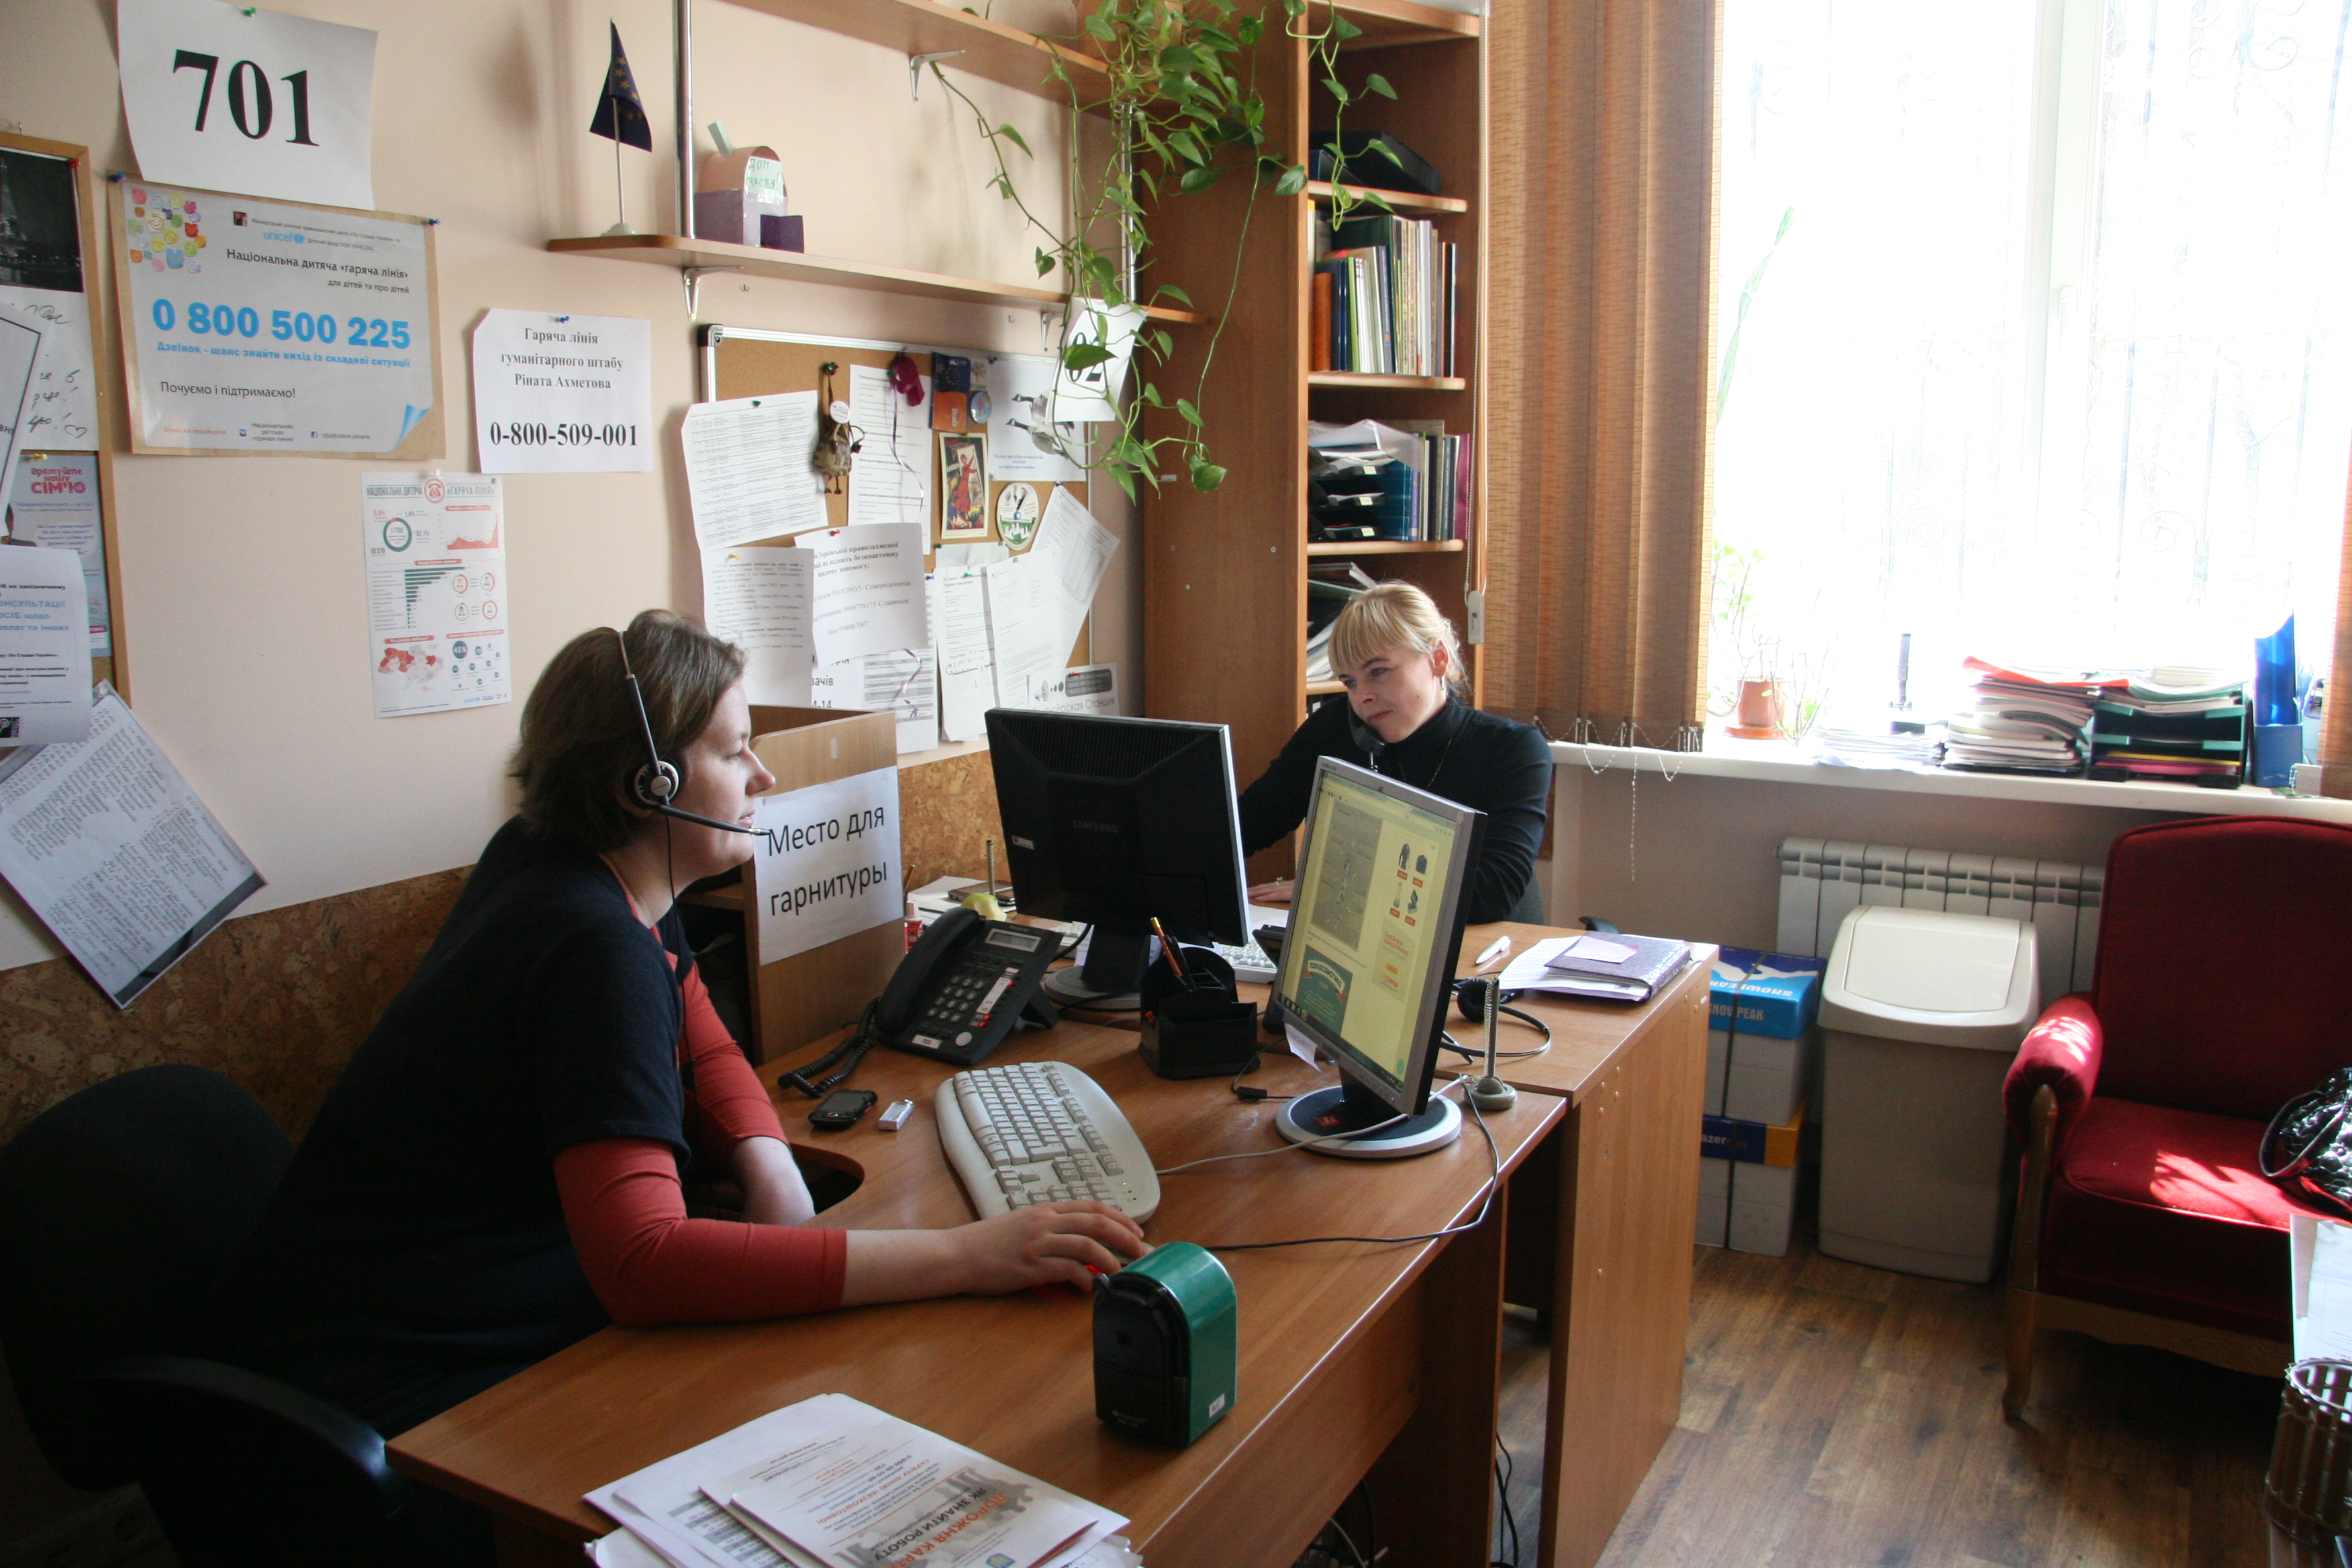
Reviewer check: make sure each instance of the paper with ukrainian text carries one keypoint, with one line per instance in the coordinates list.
(748, 473)
(757, 597)
(563, 394)
(108, 845)
(44, 646)
(435, 546)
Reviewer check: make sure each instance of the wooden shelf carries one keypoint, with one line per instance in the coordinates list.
(1320, 687)
(1402, 201)
(1387, 22)
(989, 49)
(1356, 378)
(1389, 547)
(756, 261)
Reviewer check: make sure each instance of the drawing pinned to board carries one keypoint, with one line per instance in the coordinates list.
(964, 487)
(1018, 512)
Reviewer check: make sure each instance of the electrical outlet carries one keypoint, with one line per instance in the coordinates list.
(1473, 612)
(119, 1527)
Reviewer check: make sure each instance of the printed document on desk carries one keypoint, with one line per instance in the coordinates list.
(108, 844)
(670, 1506)
(747, 469)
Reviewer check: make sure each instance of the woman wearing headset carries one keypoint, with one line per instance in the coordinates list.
(497, 1173)
(1405, 717)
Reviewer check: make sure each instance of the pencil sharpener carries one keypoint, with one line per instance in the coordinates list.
(1166, 1342)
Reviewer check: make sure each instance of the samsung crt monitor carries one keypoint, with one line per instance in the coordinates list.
(1368, 966)
(1116, 822)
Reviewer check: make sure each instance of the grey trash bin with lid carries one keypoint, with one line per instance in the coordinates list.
(1922, 1013)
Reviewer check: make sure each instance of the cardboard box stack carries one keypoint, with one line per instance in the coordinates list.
(1763, 1056)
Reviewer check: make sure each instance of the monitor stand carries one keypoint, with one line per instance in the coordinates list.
(1111, 979)
(1338, 1112)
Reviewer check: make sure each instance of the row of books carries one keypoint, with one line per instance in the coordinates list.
(1385, 298)
(1406, 479)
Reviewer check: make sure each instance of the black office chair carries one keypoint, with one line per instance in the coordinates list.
(119, 1207)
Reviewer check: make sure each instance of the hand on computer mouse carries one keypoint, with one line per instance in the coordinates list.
(1048, 1243)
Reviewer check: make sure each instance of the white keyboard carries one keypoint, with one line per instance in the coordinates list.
(1035, 1132)
(1251, 962)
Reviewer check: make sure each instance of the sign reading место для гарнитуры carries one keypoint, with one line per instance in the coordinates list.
(829, 866)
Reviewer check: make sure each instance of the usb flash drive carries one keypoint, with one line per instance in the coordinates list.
(896, 1117)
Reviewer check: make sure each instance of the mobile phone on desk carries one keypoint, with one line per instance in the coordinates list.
(841, 1108)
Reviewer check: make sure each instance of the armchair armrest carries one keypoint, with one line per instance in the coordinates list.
(2062, 1053)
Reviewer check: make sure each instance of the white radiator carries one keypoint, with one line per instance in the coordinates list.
(1821, 880)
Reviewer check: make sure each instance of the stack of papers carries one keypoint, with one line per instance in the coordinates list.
(1533, 971)
(1857, 745)
(2025, 721)
(834, 1483)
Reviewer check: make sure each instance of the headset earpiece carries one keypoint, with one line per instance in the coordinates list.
(657, 783)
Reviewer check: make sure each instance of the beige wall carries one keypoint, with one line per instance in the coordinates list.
(243, 607)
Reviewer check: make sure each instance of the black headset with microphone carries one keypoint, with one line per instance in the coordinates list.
(1470, 998)
(656, 784)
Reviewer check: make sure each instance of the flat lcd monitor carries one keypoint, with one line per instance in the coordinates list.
(1368, 965)
(1116, 822)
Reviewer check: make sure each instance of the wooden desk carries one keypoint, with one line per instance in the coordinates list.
(1600, 1229)
(1617, 1279)
(1355, 1359)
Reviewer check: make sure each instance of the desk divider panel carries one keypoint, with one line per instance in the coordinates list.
(811, 994)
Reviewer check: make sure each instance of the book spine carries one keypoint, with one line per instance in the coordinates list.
(1318, 332)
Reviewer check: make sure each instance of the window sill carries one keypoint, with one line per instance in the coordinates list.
(1777, 761)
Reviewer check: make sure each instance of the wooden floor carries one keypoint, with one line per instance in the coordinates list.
(1834, 1414)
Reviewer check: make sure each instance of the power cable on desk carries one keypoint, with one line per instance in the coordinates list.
(1485, 1201)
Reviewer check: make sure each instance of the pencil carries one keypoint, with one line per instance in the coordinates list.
(1167, 947)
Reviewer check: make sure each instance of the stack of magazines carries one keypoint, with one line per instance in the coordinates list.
(834, 1483)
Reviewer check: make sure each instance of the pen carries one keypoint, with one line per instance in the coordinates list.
(1501, 945)
(1167, 947)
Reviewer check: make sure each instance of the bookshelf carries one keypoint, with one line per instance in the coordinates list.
(1225, 573)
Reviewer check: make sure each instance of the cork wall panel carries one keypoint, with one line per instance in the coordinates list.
(946, 813)
(276, 1001)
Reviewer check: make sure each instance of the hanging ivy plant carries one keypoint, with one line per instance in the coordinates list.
(1185, 114)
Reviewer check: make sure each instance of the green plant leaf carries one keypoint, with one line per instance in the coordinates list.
(1379, 84)
(1099, 26)
(1293, 181)
(1084, 356)
(1385, 150)
(1188, 148)
(1151, 396)
(1015, 137)
(1189, 414)
(1343, 29)
(1044, 264)
(1337, 89)
(1197, 180)
(1177, 59)
(1252, 28)
(1206, 475)
(1173, 292)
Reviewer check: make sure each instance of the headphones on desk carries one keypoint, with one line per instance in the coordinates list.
(656, 782)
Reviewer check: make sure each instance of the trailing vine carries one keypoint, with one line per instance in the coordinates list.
(1185, 113)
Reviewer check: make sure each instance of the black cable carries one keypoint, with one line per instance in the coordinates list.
(1253, 1093)
(1372, 1519)
(856, 1045)
(1485, 1203)
(1506, 1467)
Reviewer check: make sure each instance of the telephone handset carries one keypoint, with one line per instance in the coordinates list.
(965, 984)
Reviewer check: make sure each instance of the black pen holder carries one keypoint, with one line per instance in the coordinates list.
(1194, 1027)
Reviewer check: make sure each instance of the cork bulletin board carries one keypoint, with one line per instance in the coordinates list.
(742, 361)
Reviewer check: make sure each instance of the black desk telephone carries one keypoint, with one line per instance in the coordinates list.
(966, 984)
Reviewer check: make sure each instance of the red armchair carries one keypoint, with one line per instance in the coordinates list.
(2223, 988)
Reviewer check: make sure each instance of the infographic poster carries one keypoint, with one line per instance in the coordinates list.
(435, 546)
(257, 326)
